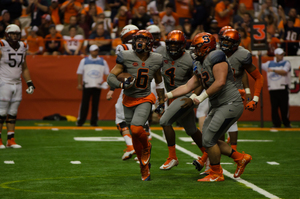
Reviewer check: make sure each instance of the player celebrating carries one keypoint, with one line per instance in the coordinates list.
(213, 72)
(126, 37)
(240, 60)
(143, 65)
(12, 65)
(177, 70)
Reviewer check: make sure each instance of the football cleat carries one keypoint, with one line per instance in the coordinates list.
(169, 164)
(128, 154)
(199, 164)
(206, 172)
(1, 144)
(145, 171)
(12, 144)
(241, 164)
(146, 154)
(136, 159)
(213, 177)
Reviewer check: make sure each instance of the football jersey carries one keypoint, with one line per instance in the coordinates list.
(162, 44)
(229, 92)
(175, 72)
(142, 71)
(122, 47)
(73, 42)
(240, 57)
(11, 62)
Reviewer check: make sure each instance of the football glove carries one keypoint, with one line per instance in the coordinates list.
(160, 109)
(30, 88)
(127, 83)
(251, 106)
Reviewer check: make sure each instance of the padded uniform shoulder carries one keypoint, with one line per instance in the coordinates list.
(217, 56)
(243, 55)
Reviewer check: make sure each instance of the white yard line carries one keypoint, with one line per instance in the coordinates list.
(225, 172)
(189, 139)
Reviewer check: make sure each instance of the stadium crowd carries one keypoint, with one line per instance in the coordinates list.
(69, 27)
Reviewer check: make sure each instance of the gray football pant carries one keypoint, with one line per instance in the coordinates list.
(218, 122)
(184, 116)
(137, 115)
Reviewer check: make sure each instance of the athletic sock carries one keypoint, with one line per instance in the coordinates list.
(204, 156)
(236, 155)
(234, 146)
(10, 134)
(128, 141)
(216, 167)
(202, 149)
(172, 152)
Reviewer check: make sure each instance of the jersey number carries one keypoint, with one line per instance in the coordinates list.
(12, 56)
(171, 73)
(142, 78)
(205, 78)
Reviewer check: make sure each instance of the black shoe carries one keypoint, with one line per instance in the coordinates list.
(78, 124)
(94, 124)
(289, 126)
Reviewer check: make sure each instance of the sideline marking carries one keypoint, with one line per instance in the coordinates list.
(99, 139)
(225, 172)
(75, 162)
(9, 162)
(273, 163)
(189, 139)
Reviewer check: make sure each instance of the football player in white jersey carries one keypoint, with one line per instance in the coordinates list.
(12, 65)
(156, 33)
(126, 37)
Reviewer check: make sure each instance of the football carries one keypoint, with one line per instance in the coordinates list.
(123, 76)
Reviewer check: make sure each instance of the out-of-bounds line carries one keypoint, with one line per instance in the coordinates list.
(225, 172)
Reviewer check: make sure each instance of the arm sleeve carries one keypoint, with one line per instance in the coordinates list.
(80, 67)
(120, 59)
(112, 81)
(246, 58)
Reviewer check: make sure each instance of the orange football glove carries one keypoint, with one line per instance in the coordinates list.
(243, 94)
(251, 106)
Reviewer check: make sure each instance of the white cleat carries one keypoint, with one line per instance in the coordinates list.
(12, 144)
(169, 164)
(127, 155)
(2, 146)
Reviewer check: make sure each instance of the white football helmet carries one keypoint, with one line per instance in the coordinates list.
(12, 28)
(155, 31)
(127, 33)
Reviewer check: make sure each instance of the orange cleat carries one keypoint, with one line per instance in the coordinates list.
(145, 171)
(12, 144)
(146, 154)
(213, 176)
(241, 164)
(199, 164)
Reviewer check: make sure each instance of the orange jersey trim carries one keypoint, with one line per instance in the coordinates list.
(132, 101)
(125, 47)
(1, 43)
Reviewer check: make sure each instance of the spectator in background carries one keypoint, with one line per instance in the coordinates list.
(14, 7)
(238, 17)
(245, 39)
(169, 19)
(73, 43)
(268, 9)
(36, 9)
(156, 21)
(292, 14)
(4, 22)
(44, 27)
(214, 29)
(115, 5)
(84, 26)
(291, 33)
(53, 42)
(102, 39)
(249, 6)
(279, 78)
(35, 42)
(184, 10)
(141, 18)
(224, 12)
(101, 4)
(55, 12)
(187, 29)
(101, 19)
(90, 73)
(92, 4)
(121, 19)
(70, 8)
(73, 22)
(247, 22)
(135, 4)
(200, 15)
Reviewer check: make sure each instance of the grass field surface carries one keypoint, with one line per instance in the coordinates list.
(52, 164)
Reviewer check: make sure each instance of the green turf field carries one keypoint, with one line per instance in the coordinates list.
(42, 167)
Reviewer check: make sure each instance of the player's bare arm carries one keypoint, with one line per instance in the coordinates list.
(159, 86)
(26, 76)
(184, 89)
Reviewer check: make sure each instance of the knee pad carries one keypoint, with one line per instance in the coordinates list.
(2, 119)
(122, 127)
(136, 130)
(11, 119)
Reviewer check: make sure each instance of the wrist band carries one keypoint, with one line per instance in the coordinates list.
(169, 95)
(255, 98)
(247, 90)
(193, 96)
(202, 97)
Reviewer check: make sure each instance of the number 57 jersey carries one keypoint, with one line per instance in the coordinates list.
(11, 62)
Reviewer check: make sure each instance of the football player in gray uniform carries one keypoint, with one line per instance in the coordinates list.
(240, 60)
(177, 70)
(213, 72)
(12, 65)
(143, 65)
